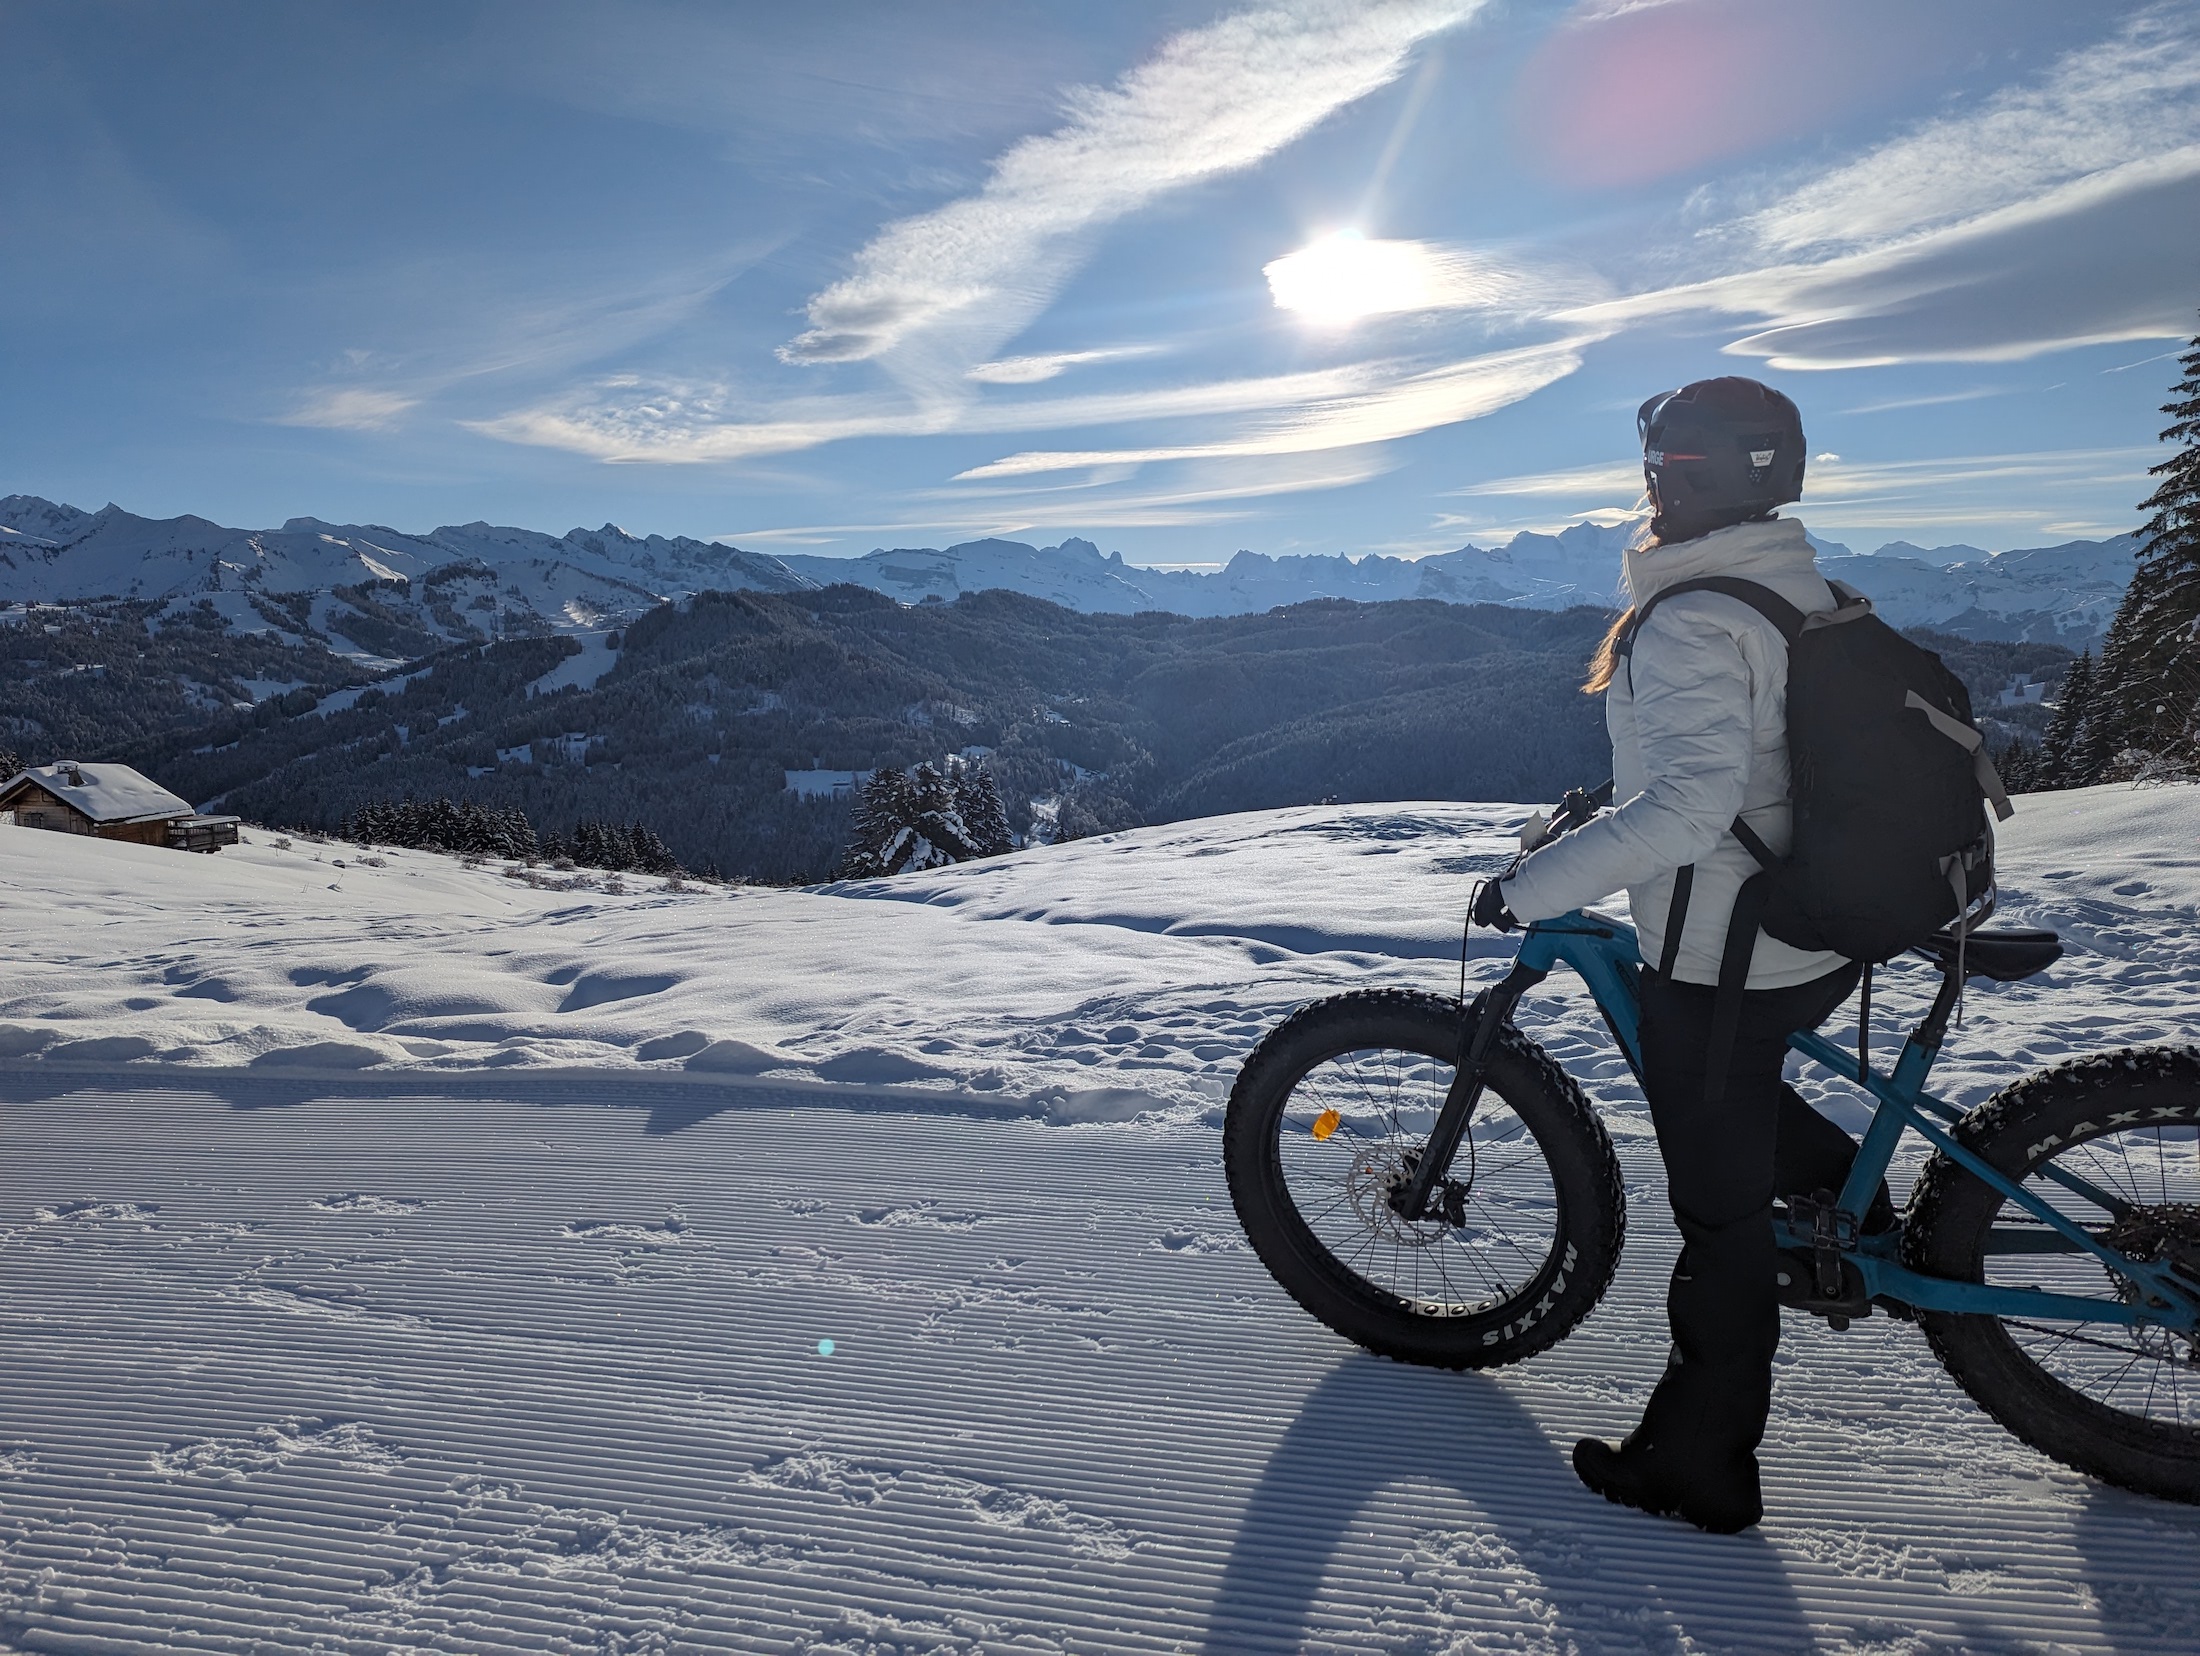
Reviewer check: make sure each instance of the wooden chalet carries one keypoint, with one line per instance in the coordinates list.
(109, 802)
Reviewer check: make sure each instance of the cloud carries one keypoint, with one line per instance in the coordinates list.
(1211, 101)
(1414, 403)
(2132, 97)
(1105, 499)
(1030, 370)
(2101, 258)
(628, 419)
(2035, 492)
(2057, 214)
(353, 408)
(1605, 478)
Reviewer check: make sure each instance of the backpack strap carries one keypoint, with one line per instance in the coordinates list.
(1676, 916)
(1783, 615)
(1726, 1006)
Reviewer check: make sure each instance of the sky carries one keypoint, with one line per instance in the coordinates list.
(1299, 276)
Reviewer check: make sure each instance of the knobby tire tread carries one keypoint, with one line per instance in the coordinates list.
(1949, 1215)
(1592, 1209)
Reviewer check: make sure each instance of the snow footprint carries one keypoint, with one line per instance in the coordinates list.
(98, 1213)
(348, 1443)
(825, 1474)
(364, 1201)
(927, 1215)
(673, 1230)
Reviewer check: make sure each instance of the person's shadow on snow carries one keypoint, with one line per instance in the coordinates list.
(1609, 1579)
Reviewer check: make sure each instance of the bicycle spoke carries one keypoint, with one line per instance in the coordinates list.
(1342, 1184)
(2138, 1372)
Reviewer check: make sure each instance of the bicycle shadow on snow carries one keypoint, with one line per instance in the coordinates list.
(1605, 1578)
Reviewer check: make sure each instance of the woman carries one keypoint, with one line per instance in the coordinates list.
(1695, 701)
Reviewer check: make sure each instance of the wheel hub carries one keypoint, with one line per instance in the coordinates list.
(2165, 1233)
(1377, 1184)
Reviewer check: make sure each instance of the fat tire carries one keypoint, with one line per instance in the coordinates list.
(2016, 1131)
(1591, 1222)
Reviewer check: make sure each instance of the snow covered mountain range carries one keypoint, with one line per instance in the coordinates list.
(373, 592)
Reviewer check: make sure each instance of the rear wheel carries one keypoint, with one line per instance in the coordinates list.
(1329, 1116)
(2121, 1403)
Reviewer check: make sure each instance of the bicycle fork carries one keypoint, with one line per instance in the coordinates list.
(1485, 1017)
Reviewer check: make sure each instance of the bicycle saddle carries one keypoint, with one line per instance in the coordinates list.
(2004, 956)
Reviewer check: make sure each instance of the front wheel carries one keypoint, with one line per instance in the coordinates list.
(2121, 1403)
(1326, 1120)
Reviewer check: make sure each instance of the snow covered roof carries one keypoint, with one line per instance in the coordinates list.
(104, 792)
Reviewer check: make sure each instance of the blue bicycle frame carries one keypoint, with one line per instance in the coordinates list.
(1604, 954)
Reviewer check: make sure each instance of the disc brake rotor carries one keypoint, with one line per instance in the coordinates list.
(1378, 1173)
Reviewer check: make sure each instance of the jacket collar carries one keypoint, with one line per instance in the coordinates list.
(1776, 547)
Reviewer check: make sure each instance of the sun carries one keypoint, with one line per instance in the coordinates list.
(1345, 276)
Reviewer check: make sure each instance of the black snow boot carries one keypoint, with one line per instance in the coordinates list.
(1715, 1493)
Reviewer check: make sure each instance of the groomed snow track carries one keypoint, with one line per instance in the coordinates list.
(531, 1362)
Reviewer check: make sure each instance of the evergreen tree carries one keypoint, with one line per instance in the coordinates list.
(917, 820)
(2073, 710)
(2016, 762)
(10, 762)
(978, 800)
(884, 809)
(940, 836)
(2150, 665)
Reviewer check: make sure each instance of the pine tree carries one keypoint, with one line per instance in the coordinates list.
(2073, 709)
(2150, 665)
(2016, 762)
(10, 762)
(978, 800)
(650, 854)
(941, 837)
(2093, 742)
(884, 809)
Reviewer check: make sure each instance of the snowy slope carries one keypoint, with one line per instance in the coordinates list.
(458, 582)
(403, 1258)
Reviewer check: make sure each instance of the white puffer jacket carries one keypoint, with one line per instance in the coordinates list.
(1698, 721)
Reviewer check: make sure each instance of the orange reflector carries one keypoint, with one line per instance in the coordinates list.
(1326, 1123)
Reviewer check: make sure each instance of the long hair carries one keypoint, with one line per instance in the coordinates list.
(1605, 662)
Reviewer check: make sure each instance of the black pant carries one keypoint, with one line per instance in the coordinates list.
(1724, 1164)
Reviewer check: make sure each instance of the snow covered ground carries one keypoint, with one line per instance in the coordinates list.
(403, 1257)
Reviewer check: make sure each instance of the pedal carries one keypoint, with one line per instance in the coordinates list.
(1833, 1233)
(1796, 1285)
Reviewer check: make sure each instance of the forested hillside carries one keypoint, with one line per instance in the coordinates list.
(693, 722)
(1105, 720)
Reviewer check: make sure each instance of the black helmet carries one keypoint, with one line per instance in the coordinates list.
(1718, 452)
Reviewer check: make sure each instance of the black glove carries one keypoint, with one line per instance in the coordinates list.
(1490, 910)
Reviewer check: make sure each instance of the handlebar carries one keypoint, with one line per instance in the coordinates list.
(1576, 808)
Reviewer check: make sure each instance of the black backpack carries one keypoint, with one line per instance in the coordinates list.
(1889, 783)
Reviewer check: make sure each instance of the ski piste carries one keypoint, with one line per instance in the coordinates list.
(404, 1257)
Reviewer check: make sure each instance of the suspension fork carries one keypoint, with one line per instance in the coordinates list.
(1485, 1018)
